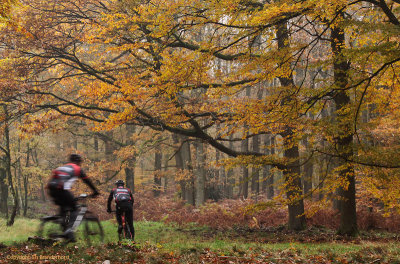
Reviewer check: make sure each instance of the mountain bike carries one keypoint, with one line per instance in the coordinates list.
(86, 227)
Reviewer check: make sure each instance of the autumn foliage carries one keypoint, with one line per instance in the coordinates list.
(308, 91)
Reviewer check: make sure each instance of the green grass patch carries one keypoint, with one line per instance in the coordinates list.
(19, 232)
(157, 242)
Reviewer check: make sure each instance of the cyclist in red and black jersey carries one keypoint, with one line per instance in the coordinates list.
(60, 185)
(124, 205)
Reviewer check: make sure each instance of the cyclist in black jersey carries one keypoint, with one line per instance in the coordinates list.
(60, 185)
(124, 205)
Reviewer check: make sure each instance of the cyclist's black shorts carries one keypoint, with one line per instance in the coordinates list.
(124, 206)
(63, 198)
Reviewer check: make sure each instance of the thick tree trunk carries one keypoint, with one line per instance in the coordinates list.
(297, 220)
(179, 165)
(344, 138)
(184, 165)
(130, 178)
(291, 173)
(4, 192)
(187, 163)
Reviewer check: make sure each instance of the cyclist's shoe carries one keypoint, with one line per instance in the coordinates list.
(69, 236)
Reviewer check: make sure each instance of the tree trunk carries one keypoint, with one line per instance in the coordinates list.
(179, 165)
(96, 143)
(4, 192)
(36, 162)
(7, 151)
(344, 138)
(18, 187)
(184, 165)
(291, 173)
(200, 173)
(308, 170)
(244, 192)
(297, 220)
(255, 174)
(188, 166)
(130, 168)
(157, 171)
(230, 179)
(268, 177)
(217, 185)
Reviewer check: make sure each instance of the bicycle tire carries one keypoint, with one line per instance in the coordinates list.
(49, 228)
(128, 232)
(125, 233)
(92, 229)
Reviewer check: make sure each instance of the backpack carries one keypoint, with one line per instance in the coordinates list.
(122, 195)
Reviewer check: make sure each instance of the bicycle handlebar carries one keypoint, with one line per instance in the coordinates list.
(84, 196)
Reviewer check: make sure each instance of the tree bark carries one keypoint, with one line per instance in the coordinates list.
(4, 192)
(244, 179)
(157, 171)
(268, 177)
(7, 151)
(344, 138)
(230, 179)
(200, 173)
(184, 165)
(255, 174)
(291, 173)
(130, 168)
(308, 170)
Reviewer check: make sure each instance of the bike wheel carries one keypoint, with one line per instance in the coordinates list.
(49, 228)
(92, 230)
(128, 232)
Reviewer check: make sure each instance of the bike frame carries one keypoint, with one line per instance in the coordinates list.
(64, 217)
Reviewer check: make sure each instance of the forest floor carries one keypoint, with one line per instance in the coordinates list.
(157, 242)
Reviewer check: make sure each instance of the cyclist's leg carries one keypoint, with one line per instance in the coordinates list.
(64, 217)
(129, 221)
(118, 214)
(127, 233)
(58, 198)
(70, 203)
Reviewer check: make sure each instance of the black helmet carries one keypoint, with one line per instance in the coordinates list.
(120, 182)
(75, 158)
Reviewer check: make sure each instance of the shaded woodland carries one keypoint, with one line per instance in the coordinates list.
(285, 103)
